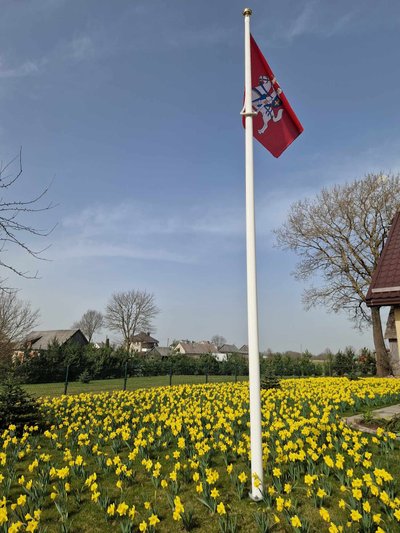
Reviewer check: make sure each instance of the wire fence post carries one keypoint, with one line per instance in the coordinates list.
(66, 380)
(170, 376)
(125, 374)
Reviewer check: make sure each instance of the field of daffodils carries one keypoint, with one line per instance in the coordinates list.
(177, 459)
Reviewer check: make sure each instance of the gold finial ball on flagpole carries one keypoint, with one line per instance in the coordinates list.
(247, 12)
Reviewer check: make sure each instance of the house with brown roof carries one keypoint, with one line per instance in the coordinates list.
(160, 352)
(384, 290)
(37, 341)
(142, 343)
(244, 350)
(40, 340)
(196, 349)
(228, 349)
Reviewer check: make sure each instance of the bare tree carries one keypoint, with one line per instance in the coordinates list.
(13, 226)
(218, 340)
(90, 322)
(130, 312)
(339, 236)
(17, 319)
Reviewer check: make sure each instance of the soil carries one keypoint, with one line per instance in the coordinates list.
(375, 423)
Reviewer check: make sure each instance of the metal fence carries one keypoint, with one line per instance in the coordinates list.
(125, 382)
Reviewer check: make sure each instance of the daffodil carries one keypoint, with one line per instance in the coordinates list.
(221, 509)
(295, 521)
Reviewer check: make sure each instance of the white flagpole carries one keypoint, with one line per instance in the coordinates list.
(252, 319)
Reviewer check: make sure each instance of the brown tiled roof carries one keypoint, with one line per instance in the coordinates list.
(143, 337)
(385, 283)
(228, 348)
(198, 348)
(39, 340)
(163, 351)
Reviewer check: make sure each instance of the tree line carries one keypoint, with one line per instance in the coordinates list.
(88, 363)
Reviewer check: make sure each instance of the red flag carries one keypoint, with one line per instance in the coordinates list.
(275, 126)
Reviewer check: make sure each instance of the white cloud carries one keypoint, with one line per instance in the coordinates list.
(24, 69)
(341, 24)
(330, 168)
(303, 23)
(85, 249)
(81, 48)
(101, 220)
(78, 49)
(128, 230)
(314, 18)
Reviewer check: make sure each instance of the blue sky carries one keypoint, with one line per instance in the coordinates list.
(131, 110)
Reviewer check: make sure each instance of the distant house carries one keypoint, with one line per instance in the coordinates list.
(196, 349)
(228, 349)
(102, 344)
(160, 352)
(40, 340)
(244, 350)
(142, 343)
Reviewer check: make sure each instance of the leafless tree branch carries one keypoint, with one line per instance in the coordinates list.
(13, 229)
(17, 318)
(90, 322)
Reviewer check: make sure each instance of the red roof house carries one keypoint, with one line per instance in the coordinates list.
(385, 283)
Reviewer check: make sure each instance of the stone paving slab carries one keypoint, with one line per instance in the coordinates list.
(384, 412)
(388, 412)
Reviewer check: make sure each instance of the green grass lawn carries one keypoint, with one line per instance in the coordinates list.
(104, 385)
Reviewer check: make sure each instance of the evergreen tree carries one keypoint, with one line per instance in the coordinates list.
(270, 380)
(17, 406)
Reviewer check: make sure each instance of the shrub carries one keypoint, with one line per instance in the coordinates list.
(85, 377)
(344, 362)
(270, 380)
(17, 407)
(393, 424)
(366, 362)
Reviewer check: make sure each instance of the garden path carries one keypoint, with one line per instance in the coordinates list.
(387, 413)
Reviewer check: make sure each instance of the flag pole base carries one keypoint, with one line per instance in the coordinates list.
(255, 497)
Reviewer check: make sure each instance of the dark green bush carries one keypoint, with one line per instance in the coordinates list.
(366, 362)
(17, 407)
(345, 362)
(270, 380)
(85, 377)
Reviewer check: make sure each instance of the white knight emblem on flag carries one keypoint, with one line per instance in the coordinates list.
(265, 100)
